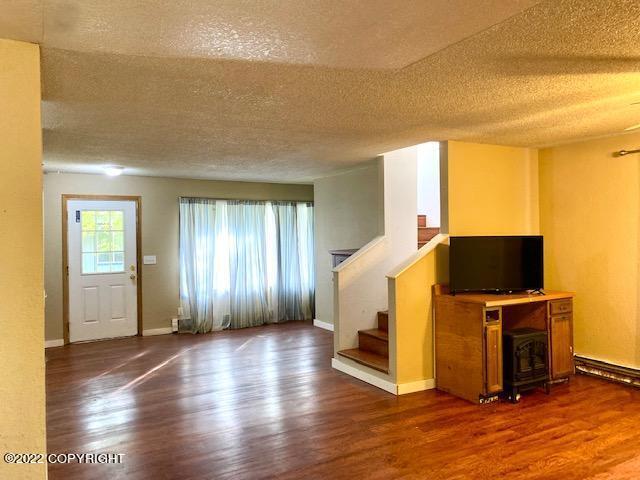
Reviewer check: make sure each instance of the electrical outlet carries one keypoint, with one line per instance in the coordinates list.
(180, 311)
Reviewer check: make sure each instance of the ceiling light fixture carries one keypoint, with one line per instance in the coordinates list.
(113, 170)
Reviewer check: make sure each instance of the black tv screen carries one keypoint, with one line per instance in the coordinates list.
(501, 264)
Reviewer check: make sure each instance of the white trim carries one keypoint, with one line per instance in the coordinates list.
(324, 325)
(362, 251)
(424, 250)
(157, 331)
(418, 386)
(385, 385)
(53, 343)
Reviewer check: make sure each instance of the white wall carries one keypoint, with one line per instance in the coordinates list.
(348, 209)
(429, 182)
(361, 281)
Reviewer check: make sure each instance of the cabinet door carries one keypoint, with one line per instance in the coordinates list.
(493, 357)
(561, 346)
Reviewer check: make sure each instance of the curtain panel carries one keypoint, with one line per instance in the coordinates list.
(245, 263)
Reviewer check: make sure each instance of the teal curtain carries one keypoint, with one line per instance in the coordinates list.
(245, 263)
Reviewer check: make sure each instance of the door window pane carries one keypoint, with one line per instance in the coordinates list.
(102, 241)
(117, 220)
(88, 263)
(103, 220)
(88, 242)
(117, 241)
(88, 221)
(118, 261)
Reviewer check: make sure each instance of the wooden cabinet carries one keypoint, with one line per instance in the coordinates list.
(493, 357)
(468, 338)
(561, 346)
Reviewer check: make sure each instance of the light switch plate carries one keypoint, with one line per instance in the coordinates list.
(149, 260)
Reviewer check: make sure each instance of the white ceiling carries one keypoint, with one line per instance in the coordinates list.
(289, 90)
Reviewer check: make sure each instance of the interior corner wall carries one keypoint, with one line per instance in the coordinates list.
(429, 182)
(488, 190)
(590, 219)
(348, 214)
(159, 235)
(492, 190)
(22, 382)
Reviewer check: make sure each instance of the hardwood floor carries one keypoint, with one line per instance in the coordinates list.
(265, 403)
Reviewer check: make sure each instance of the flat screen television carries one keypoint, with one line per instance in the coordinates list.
(496, 264)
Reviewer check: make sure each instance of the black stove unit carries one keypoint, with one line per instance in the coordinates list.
(525, 361)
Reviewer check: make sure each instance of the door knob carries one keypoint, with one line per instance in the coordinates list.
(132, 276)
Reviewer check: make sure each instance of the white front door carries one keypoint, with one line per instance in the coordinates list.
(102, 271)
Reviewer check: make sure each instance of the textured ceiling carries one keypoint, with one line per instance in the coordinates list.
(292, 90)
(373, 34)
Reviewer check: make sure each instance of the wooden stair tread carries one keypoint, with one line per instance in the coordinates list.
(377, 333)
(368, 359)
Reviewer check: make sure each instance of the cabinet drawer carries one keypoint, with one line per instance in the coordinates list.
(561, 306)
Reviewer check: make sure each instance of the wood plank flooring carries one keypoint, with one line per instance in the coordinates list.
(265, 403)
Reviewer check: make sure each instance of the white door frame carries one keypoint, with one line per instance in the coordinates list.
(65, 254)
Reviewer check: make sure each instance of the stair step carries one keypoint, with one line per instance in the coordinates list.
(368, 359)
(383, 320)
(374, 341)
(422, 220)
(427, 233)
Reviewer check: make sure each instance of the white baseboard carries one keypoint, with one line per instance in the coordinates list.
(418, 386)
(321, 324)
(385, 385)
(53, 343)
(156, 331)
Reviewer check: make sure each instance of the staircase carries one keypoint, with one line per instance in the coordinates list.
(425, 233)
(373, 346)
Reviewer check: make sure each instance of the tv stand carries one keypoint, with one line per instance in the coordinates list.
(468, 338)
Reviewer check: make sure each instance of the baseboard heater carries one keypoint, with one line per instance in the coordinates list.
(608, 371)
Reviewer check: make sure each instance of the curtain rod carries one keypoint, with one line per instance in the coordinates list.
(622, 153)
(243, 199)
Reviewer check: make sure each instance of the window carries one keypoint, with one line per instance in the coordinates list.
(245, 262)
(102, 241)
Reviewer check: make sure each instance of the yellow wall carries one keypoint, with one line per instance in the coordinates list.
(413, 306)
(589, 208)
(493, 190)
(22, 400)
